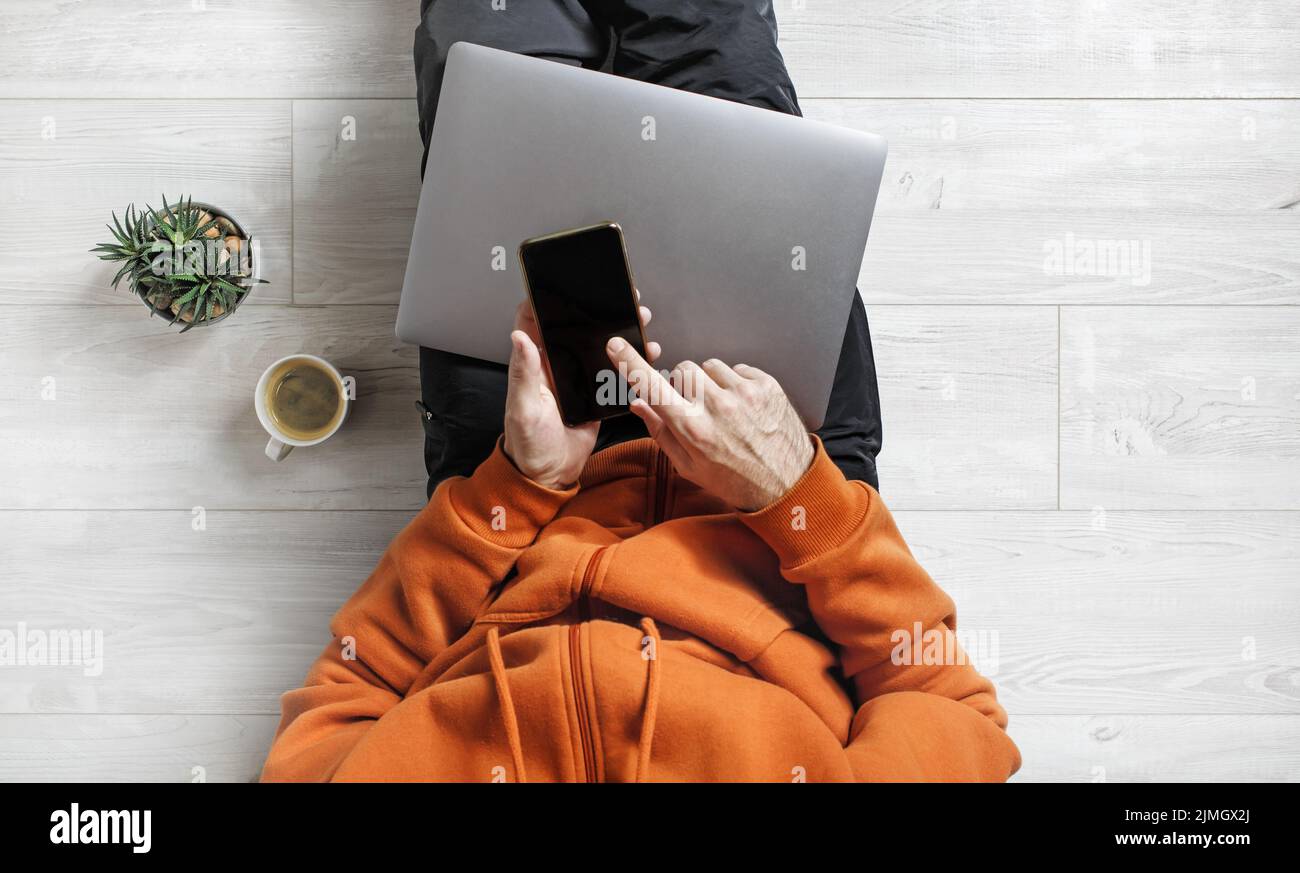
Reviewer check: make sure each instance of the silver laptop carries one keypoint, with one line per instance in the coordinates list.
(745, 228)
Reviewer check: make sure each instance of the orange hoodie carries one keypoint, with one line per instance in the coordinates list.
(635, 628)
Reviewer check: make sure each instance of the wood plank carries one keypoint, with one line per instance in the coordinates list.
(1076, 617)
(1158, 748)
(66, 165)
(1146, 634)
(145, 417)
(834, 48)
(1111, 611)
(1123, 748)
(1058, 48)
(223, 619)
(134, 748)
(971, 414)
(246, 48)
(968, 396)
(1124, 155)
(1180, 407)
(355, 188)
(1138, 257)
(1153, 185)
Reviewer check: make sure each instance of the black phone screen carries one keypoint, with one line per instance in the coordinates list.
(582, 295)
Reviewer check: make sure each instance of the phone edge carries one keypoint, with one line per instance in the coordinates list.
(631, 278)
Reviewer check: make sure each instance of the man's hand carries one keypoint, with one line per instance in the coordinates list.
(536, 438)
(732, 431)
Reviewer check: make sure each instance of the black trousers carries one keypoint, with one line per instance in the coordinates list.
(723, 48)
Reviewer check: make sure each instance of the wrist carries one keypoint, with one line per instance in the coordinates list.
(540, 477)
(816, 516)
(788, 475)
(497, 502)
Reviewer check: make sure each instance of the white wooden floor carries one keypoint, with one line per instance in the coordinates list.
(1100, 460)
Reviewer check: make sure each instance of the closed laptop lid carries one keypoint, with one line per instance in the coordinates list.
(745, 228)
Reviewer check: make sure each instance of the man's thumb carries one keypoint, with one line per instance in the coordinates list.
(525, 361)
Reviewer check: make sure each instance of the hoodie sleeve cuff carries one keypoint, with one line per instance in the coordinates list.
(502, 505)
(820, 512)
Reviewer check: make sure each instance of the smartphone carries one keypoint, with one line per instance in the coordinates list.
(582, 293)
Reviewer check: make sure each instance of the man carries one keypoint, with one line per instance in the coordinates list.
(723, 48)
(714, 594)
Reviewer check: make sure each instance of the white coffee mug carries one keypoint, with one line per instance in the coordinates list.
(281, 444)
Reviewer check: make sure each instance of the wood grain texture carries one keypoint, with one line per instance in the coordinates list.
(1080, 155)
(144, 417)
(1073, 613)
(250, 48)
(968, 396)
(834, 48)
(1145, 633)
(1060, 202)
(1187, 407)
(66, 165)
(1110, 611)
(970, 411)
(219, 620)
(1158, 748)
(134, 748)
(1142, 257)
(1054, 48)
(355, 187)
(1125, 748)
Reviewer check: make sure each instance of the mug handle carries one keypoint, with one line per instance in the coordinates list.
(276, 450)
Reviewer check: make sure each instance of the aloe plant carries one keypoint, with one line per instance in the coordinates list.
(181, 260)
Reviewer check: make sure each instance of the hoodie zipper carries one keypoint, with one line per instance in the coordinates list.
(575, 667)
(661, 485)
(585, 739)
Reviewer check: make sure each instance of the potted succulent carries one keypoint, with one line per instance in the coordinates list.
(190, 263)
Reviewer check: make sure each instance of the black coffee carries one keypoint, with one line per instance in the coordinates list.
(304, 399)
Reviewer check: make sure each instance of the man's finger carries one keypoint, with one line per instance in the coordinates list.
(525, 363)
(748, 372)
(645, 380)
(691, 381)
(720, 373)
(526, 320)
(654, 425)
(659, 432)
(652, 349)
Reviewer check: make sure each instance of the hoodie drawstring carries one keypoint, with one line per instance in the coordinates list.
(651, 711)
(649, 715)
(508, 716)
